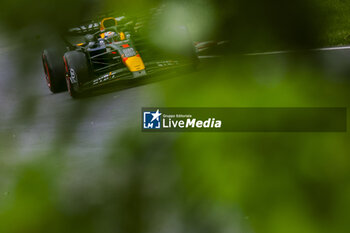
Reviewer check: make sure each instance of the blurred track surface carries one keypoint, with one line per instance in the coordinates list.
(33, 120)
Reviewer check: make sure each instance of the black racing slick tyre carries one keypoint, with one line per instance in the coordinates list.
(77, 72)
(54, 70)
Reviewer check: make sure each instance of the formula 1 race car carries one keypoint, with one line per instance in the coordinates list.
(106, 54)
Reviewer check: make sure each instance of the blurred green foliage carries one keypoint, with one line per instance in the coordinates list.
(282, 182)
(337, 30)
(191, 182)
(195, 182)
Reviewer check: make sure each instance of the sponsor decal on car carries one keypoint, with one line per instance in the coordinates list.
(73, 76)
(104, 78)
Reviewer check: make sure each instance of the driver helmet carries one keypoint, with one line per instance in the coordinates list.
(108, 23)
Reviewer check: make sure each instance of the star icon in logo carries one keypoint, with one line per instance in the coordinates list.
(156, 115)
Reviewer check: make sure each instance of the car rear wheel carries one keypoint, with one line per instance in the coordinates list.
(54, 70)
(77, 71)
